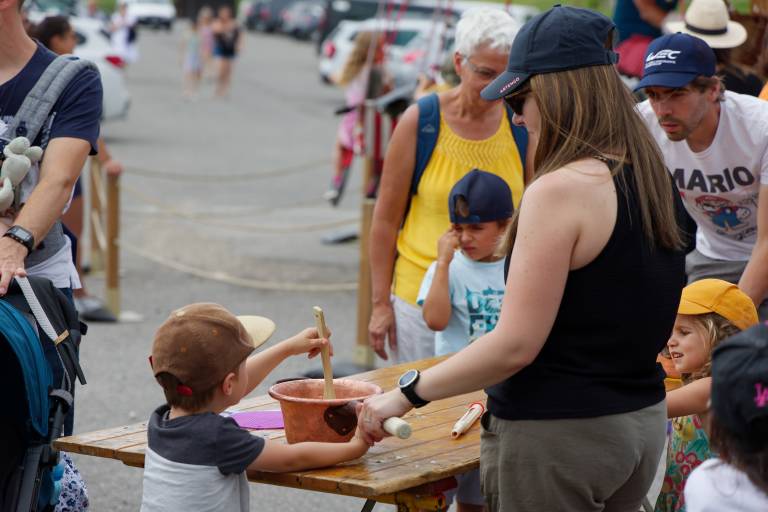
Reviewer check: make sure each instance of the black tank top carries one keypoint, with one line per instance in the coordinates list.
(616, 315)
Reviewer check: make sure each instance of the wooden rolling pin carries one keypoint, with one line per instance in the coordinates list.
(397, 427)
(322, 330)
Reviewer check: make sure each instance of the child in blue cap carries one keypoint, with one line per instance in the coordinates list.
(461, 292)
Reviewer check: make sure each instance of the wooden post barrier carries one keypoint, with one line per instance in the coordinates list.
(103, 216)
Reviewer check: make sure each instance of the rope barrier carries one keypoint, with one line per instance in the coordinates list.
(219, 178)
(204, 217)
(224, 277)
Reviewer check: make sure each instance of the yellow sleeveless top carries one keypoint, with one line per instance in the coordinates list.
(428, 217)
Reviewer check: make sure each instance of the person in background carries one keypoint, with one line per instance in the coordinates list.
(124, 34)
(56, 34)
(205, 30)
(472, 133)
(354, 79)
(462, 290)
(227, 38)
(710, 311)
(709, 20)
(715, 145)
(192, 57)
(737, 480)
(638, 22)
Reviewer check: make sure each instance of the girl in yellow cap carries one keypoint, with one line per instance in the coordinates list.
(710, 311)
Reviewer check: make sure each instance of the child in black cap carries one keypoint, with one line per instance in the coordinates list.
(461, 292)
(738, 480)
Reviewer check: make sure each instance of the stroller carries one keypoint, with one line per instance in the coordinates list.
(39, 339)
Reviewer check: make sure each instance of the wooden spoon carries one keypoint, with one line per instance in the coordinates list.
(322, 330)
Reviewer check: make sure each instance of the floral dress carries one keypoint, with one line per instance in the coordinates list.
(688, 448)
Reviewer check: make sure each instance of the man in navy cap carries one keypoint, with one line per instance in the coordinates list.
(715, 144)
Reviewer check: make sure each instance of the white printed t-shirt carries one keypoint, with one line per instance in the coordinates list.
(720, 185)
(476, 289)
(715, 486)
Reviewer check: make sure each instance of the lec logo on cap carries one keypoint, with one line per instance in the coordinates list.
(661, 57)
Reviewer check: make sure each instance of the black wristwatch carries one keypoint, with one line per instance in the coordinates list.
(22, 236)
(407, 384)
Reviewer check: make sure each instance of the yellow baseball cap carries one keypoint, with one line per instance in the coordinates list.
(721, 297)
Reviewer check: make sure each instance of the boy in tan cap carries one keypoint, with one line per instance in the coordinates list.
(196, 459)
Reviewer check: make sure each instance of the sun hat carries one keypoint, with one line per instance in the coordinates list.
(200, 343)
(709, 20)
(674, 60)
(721, 297)
(559, 39)
(740, 385)
(487, 195)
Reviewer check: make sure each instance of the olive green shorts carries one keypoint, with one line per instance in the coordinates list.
(593, 464)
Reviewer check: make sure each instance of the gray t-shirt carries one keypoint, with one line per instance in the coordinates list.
(197, 462)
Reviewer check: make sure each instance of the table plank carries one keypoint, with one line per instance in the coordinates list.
(393, 465)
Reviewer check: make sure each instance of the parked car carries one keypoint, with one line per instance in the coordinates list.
(154, 13)
(339, 44)
(266, 15)
(448, 12)
(424, 54)
(338, 11)
(93, 44)
(302, 18)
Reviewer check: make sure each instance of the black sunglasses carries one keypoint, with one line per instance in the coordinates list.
(516, 101)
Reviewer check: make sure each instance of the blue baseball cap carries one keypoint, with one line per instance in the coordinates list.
(487, 195)
(559, 39)
(674, 60)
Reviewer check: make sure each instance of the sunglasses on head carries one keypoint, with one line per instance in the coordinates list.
(516, 101)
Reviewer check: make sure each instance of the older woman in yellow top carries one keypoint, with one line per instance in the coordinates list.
(473, 133)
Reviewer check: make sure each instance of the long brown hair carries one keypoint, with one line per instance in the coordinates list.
(738, 452)
(358, 57)
(588, 112)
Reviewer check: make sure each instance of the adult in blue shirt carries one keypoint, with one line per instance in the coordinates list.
(68, 137)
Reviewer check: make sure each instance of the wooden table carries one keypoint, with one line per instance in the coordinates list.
(411, 474)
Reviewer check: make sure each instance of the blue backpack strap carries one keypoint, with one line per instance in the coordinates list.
(426, 140)
(520, 135)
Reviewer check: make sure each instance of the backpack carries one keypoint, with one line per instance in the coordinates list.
(30, 119)
(428, 131)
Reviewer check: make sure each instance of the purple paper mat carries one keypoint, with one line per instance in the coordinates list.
(259, 420)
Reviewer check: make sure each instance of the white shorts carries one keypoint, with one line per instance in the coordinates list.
(414, 339)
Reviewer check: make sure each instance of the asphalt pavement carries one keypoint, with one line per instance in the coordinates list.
(221, 202)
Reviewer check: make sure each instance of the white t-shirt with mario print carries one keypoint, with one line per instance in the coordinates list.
(720, 185)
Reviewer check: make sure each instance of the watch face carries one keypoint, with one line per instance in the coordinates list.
(407, 378)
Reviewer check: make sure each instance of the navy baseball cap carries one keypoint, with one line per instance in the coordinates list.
(674, 60)
(487, 195)
(559, 39)
(740, 385)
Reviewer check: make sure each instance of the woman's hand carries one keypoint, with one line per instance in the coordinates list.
(382, 328)
(372, 413)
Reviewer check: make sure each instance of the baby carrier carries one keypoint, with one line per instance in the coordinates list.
(39, 338)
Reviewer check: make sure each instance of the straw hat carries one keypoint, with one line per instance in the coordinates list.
(709, 20)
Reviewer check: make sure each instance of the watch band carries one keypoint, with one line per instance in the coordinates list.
(21, 236)
(410, 393)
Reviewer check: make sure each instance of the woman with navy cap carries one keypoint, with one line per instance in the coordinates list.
(576, 414)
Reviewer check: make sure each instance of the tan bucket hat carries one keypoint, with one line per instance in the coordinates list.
(709, 20)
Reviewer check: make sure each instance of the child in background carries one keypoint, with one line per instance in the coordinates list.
(737, 481)
(193, 58)
(461, 292)
(710, 310)
(354, 79)
(196, 459)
